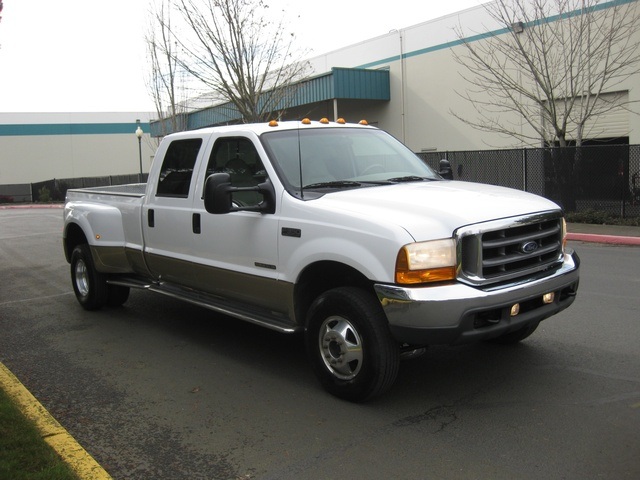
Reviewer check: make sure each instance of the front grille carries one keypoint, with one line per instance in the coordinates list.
(509, 249)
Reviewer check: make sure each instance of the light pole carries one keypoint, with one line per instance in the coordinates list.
(139, 134)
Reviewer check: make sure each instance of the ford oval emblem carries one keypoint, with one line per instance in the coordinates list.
(529, 247)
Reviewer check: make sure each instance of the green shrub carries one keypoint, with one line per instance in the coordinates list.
(600, 217)
(44, 195)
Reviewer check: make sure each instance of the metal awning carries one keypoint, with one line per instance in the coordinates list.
(338, 84)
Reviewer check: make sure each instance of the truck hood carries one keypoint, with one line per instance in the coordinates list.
(428, 210)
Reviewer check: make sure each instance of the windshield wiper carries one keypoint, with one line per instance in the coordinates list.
(334, 184)
(408, 178)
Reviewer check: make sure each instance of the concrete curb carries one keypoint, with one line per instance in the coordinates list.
(608, 239)
(78, 459)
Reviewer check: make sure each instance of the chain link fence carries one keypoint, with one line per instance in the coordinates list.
(605, 178)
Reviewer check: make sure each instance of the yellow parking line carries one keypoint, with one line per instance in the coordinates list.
(83, 464)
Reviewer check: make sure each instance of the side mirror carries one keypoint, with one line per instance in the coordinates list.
(218, 195)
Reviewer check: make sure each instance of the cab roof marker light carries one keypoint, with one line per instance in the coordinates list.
(341, 121)
(273, 123)
(306, 121)
(324, 120)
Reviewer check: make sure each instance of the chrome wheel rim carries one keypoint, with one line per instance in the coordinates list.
(82, 278)
(340, 347)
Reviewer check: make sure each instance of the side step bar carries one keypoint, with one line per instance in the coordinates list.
(238, 310)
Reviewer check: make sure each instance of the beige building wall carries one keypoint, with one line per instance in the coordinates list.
(38, 158)
(50, 153)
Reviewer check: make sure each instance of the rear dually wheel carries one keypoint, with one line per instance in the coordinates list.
(89, 285)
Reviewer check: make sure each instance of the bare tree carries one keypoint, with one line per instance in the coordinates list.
(164, 81)
(240, 54)
(553, 65)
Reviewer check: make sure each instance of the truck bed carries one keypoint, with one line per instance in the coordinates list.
(129, 190)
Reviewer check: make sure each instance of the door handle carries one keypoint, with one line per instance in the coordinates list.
(151, 218)
(195, 223)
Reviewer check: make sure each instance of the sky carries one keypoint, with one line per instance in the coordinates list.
(89, 56)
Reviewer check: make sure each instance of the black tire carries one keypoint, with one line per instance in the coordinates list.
(516, 336)
(89, 285)
(117, 295)
(349, 324)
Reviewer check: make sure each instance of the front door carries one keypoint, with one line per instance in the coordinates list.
(238, 250)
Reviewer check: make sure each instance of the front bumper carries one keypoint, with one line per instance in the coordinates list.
(459, 313)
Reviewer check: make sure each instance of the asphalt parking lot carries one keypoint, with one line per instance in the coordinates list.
(159, 389)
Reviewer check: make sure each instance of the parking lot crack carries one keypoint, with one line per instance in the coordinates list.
(440, 416)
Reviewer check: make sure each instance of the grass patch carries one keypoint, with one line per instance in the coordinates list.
(24, 455)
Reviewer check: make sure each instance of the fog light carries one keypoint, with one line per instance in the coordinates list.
(515, 309)
(548, 297)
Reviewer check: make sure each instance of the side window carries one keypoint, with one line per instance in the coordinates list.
(177, 168)
(238, 157)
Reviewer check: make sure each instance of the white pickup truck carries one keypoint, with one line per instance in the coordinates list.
(332, 229)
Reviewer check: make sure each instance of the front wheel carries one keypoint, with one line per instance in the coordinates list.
(349, 344)
(89, 285)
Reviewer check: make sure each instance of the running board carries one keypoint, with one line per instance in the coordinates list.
(239, 310)
(131, 282)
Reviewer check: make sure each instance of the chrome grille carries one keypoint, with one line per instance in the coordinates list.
(509, 249)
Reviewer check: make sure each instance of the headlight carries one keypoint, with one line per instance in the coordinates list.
(433, 261)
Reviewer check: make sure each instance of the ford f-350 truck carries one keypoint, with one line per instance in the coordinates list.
(332, 229)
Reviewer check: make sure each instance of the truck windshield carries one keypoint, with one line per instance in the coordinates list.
(338, 158)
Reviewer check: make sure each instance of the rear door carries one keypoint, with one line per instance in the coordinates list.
(167, 215)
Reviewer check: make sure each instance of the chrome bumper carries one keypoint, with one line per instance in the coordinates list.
(459, 313)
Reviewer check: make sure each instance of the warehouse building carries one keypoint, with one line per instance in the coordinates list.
(407, 82)
(41, 146)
